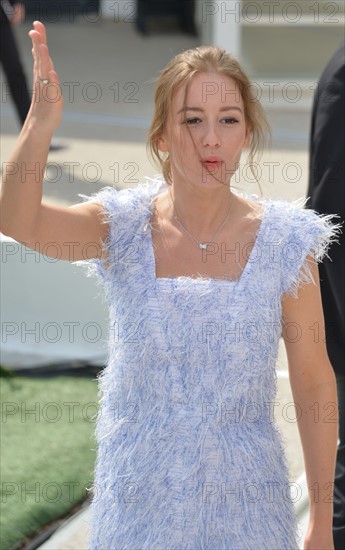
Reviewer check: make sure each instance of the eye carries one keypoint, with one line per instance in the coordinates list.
(230, 121)
(192, 121)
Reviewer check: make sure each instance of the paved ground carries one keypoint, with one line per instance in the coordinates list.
(104, 69)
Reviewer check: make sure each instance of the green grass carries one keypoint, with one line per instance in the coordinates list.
(47, 451)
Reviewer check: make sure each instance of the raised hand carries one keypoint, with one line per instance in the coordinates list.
(47, 102)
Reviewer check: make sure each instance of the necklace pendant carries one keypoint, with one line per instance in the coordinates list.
(203, 246)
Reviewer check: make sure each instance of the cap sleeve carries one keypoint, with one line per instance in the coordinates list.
(309, 236)
(127, 212)
(114, 212)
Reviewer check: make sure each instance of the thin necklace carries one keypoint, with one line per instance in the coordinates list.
(201, 246)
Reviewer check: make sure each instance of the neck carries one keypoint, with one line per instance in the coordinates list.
(201, 211)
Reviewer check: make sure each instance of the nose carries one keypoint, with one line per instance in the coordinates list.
(211, 137)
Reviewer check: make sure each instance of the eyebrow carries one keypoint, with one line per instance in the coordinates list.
(198, 109)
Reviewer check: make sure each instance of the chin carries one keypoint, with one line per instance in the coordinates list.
(209, 179)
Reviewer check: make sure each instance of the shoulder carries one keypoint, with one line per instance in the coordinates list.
(304, 225)
(124, 201)
(303, 236)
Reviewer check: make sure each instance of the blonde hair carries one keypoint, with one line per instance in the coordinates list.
(181, 69)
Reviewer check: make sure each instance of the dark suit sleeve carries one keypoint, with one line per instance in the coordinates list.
(326, 170)
(326, 196)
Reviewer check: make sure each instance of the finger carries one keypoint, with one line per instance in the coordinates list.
(35, 68)
(36, 56)
(40, 28)
(46, 63)
(41, 66)
(44, 60)
(35, 36)
(36, 41)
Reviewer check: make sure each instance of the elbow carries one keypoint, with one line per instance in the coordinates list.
(312, 376)
(5, 229)
(15, 233)
(327, 374)
(6, 225)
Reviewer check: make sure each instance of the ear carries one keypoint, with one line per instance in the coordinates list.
(247, 138)
(162, 144)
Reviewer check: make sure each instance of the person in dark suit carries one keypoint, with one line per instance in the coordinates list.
(326, 194)
(12, 12)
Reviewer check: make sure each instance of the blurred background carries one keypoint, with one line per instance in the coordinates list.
(107, 54)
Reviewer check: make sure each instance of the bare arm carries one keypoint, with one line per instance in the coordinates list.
(313, 386)
(23, 215)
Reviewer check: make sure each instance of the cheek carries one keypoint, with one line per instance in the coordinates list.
(191, 139)
(237, 137)
(181, 141)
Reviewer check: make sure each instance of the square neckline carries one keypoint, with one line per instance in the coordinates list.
(201, 279)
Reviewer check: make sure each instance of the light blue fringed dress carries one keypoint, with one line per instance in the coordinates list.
(188, 455)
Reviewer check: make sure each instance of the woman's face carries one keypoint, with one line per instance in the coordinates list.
(214, 116)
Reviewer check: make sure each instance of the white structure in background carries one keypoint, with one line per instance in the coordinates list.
(282, 45)
(57, 316)
(209, 15)
(219, 23)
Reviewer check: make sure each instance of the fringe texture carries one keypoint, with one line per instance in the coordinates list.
(308, 239)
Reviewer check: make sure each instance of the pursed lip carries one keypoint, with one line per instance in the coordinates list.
(211, 159)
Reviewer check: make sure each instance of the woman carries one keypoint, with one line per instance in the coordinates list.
(201, 281)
